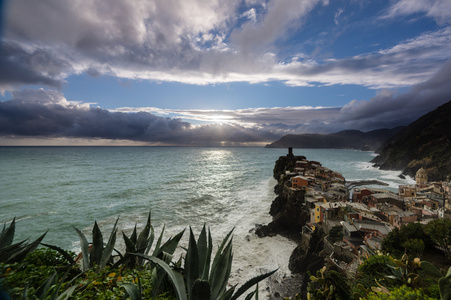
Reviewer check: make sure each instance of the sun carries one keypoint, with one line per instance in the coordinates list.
(219, 119)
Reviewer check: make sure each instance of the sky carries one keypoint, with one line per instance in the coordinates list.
(217, 73)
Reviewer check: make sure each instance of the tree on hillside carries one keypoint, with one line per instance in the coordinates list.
(400, 240)
(440, 232)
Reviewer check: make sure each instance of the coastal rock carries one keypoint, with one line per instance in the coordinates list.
(311, 259)
(307, 260)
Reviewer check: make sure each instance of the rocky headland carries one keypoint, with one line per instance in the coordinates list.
(290, 214)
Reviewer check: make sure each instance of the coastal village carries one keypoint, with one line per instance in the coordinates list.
(361, 216)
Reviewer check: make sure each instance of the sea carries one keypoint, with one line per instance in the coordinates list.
(54, 189)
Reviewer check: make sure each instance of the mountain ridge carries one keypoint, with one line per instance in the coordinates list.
(425, 143)
(345, 139)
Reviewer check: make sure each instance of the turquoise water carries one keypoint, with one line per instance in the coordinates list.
(56, 188)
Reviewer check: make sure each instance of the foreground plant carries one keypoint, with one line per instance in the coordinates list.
(444, 282)
(9, 252)
(204, 279)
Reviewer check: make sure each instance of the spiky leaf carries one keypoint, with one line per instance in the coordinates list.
(191, 263)
(7, 235)
(97, 246)
(106, 255)
(132, 291)
(27, 249)
(84, 250)
(220, 271)
(250, 283)
(171, 244)
(61, 251)
(176, 277)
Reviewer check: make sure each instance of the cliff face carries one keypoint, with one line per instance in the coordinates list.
(286, 209)
(424, 143)
(347, 139)
(289, 216)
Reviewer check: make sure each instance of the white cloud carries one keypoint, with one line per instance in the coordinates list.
(197, 42)
(251, 15)
(337, 15)
(439, 10)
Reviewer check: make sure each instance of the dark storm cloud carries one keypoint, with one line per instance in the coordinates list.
(48, 114)
(388, 109)
(38, 66)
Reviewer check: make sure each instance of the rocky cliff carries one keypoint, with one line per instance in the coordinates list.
(286, 209)
(424, 143)
(289, 216)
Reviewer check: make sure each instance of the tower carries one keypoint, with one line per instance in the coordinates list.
(421, 177)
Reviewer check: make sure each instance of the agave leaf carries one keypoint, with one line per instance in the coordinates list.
(29, 248)
(7, 235)
(106, 255)
(206, 270)
(448, 274)
(134, 235)
(172, 243)
(84, 250)
(200, 290)
(250, 283)
(144, 236)
(176, 277)
(220, 272)
(213, 266)
(130, 246)
(191, 263)
(132, 291)
(25, 291)
(43, 290)
(150, 241)
(203, 249)
(63, 252)
(67, 293)
(8, 251)
(157, 246)
(228, 294)
(97, 246)
(250, 295)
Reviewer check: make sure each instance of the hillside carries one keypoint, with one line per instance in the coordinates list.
(347, 139)
(424, 143)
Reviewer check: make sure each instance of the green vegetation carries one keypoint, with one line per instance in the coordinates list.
(440, 232)
(401, 274)
(28, 272)
(411, 238)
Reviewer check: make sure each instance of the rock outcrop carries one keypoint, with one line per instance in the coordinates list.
(286, 209)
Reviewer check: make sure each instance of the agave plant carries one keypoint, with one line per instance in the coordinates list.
(143, 243)
(202, 278)
(11, 253)
(99, 255)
